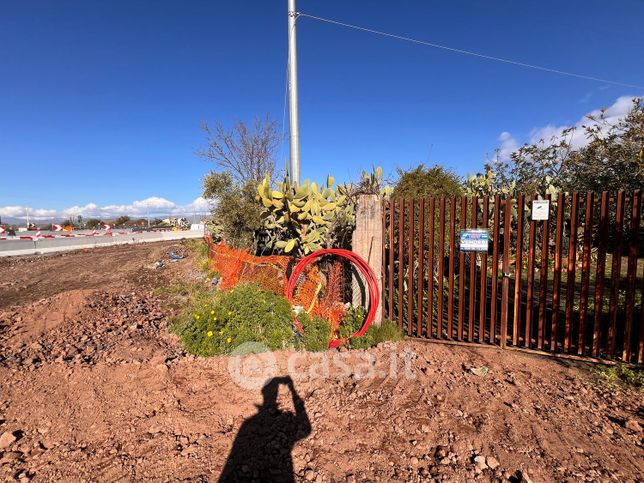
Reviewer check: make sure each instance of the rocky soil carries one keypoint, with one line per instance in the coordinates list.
(94, 388)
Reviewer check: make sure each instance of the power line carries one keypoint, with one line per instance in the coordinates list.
(468, 52)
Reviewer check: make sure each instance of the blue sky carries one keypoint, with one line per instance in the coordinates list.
(101, 101)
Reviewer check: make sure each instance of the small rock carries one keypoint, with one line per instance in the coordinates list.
(479, 461)
(48, 443)
(522, 477)
(155, 429)
(10, 457)
(414, 461)
(633, 425)
(7, 439)
(309, 475)
(492, 462)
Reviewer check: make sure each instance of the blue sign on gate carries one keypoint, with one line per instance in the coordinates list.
(474, 240)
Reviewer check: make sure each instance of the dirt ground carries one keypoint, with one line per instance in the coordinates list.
(94, 388)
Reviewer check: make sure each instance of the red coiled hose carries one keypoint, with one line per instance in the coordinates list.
(365, 269)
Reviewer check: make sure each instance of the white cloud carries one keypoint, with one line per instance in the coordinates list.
(23, 211)
(198, 205)
(153, 203)
(508, 145)
(577, 139)
(79, 210)
(151, 206)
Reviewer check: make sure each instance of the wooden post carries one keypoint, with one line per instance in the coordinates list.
(367, 238)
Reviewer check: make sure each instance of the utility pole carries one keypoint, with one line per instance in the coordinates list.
(294, 122)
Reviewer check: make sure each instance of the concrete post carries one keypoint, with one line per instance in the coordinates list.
(367, 242)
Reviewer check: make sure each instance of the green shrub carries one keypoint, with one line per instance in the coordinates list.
(215, 323)
(352, 322)
(219, 322)
(427, 182)
(316, 333)
(621, 373)
(388, 331)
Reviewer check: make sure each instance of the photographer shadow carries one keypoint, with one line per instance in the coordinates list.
(262, 448)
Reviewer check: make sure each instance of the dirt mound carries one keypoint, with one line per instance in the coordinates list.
(31, 321)
(83, 328)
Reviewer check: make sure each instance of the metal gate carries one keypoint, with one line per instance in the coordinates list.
(570, 284)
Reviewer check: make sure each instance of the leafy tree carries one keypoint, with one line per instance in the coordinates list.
(236, 216)
(121, 220)
(427, 182)
(246, 153)
(94, 223)
(610, 158)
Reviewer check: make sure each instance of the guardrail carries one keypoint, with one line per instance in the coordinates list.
(44, 244)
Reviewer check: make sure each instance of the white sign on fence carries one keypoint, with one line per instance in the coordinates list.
(540, 209)
(474, 240)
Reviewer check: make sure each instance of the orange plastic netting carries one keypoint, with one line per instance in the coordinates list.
(236, 266)
(319, 292)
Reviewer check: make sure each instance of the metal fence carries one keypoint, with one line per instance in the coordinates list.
(572, 284)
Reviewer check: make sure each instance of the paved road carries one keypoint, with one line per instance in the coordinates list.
(50, 245)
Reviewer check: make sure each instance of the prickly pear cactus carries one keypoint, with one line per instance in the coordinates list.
(297, 219)
(303, 219)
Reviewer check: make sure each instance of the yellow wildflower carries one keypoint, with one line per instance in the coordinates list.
(212, 312)
(229, 340)
(230, 313)
(210, 333)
